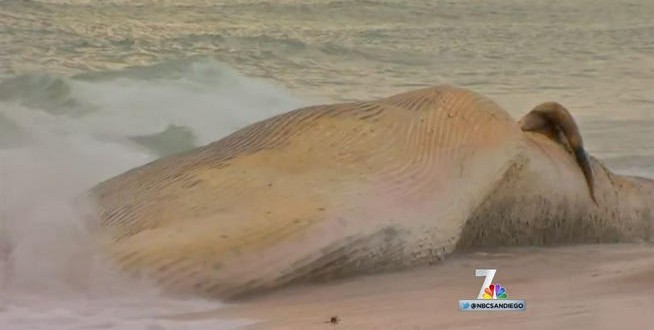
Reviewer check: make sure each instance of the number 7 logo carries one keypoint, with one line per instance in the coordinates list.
(489, 274)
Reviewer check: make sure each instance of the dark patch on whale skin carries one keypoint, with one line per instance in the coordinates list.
(505, 218)
(380, 251)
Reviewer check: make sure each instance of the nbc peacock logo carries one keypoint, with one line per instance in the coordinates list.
(494, 291)
(491, 297)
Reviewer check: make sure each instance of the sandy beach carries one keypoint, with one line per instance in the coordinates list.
(582, 287)
(91, 89)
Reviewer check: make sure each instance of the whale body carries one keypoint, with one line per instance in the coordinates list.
(336, 190)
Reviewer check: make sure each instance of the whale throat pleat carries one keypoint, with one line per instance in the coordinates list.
(318, 191)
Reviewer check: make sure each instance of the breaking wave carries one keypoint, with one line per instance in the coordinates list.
(61, 135)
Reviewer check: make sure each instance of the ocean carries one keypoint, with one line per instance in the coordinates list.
(89, 89)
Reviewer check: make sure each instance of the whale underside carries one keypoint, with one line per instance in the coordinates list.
(336, 190)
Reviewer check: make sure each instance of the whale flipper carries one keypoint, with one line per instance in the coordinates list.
(555, 121)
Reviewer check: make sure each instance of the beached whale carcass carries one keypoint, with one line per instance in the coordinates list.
(362, 187)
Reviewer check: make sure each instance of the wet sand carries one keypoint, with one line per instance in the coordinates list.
(580, 287)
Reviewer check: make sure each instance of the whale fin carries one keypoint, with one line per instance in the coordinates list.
(555, 121)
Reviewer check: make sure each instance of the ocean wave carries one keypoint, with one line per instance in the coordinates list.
(201, 96)
(47, 92)
(61, 135)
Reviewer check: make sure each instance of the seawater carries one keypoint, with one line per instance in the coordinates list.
(89, 89)
(62, 135)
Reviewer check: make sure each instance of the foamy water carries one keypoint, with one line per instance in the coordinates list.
(89, 89)
(68, 134)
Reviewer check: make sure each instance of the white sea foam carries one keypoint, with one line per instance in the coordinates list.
(69, 134)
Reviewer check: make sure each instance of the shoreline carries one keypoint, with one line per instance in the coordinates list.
(568, 287)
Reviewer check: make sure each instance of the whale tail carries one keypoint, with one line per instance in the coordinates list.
(556, 122)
